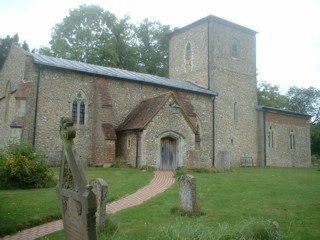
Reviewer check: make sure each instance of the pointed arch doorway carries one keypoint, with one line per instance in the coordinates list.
(168, 153)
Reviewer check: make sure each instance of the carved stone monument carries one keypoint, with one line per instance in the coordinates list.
(77, 200)
(187, 193)
(100, 189)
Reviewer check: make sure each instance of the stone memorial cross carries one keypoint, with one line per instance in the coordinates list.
(77, 200)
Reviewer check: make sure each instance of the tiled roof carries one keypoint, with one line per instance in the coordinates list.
(146, 110)
(119, 74)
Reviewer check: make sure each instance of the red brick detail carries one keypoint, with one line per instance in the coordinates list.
(285, 119)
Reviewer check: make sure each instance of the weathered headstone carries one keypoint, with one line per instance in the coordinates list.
(76, 198)
(100, 189)
(187, 193)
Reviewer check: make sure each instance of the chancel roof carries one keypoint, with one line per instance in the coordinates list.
(119, 74)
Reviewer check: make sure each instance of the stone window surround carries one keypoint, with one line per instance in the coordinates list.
(271, 137)
(234, 49)
(79, 101)
(292, 140)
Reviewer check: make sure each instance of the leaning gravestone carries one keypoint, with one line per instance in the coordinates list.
(100, 189)
(187, 193)
(76, 198)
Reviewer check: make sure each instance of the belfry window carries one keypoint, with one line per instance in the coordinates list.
(78, 109)
(235, 49)
(188, 51)
(292, 140)
(188, 57)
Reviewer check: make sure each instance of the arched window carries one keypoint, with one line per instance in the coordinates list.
(235, 48)
(188, 57)
(188, 51)
(271, 138)
(79, 108)
(292, 140)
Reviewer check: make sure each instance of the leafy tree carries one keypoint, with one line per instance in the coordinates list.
(315, 138)
(153, 47)
(91, 34)
(305, 100)
(5, 45)
(83, 34)
(124, 45)
(270, 96)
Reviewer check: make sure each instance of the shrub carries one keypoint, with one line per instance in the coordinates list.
(22, 166)
(186, 170)
(120, 162)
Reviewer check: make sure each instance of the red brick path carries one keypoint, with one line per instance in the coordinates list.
(162, 180)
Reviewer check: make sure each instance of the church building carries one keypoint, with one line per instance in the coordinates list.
(204, 114)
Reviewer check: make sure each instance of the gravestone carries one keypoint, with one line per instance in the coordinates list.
(100, 189)
(76, 198)
(187, 193)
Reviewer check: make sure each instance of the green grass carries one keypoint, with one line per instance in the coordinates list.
(238, 205)
(290, 197)
(21, 209)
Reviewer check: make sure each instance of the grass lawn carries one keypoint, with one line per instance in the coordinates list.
(289, 196)
(21, 209)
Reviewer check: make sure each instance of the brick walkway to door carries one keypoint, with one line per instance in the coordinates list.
(162, 180)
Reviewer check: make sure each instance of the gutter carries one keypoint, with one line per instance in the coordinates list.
(36, 108)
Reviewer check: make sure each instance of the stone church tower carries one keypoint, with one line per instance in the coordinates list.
(220, 55)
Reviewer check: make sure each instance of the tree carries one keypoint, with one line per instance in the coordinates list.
(5, 45)
(153, 47)
(305, 100)
(83, 34)
(270, 96)
(91, 34)
(315, 138)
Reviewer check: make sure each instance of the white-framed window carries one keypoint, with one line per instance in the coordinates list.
(128, 142)
(79, 105)
(292, 140)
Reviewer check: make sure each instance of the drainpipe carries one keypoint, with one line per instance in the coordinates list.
(137, 147)
(213, 132)
(264, 140)
(36, 108)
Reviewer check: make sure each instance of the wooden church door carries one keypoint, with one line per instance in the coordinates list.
(168, 153)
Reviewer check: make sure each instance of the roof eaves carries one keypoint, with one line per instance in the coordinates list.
(282, 111)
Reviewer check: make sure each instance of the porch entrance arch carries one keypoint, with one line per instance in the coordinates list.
(168, 153)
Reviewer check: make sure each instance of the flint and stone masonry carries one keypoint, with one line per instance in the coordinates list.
(206, 111)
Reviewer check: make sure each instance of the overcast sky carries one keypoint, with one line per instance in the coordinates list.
(288, 39)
